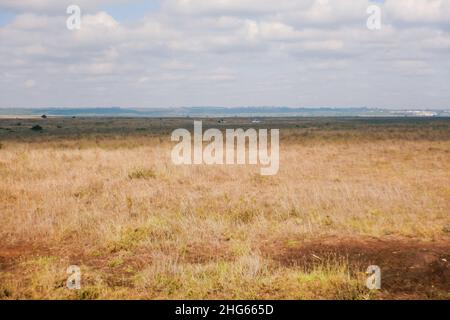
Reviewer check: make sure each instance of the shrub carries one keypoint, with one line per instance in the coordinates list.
(37, 128)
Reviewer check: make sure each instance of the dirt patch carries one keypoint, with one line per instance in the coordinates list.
(410, 269)
(199, 253)
(11, 254)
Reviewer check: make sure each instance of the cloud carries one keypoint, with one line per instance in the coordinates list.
(227, 52)
(29, 83)
(419, 11)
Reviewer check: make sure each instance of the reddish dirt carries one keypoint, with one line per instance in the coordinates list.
(10, 254)
(201, 253)
(410, 269)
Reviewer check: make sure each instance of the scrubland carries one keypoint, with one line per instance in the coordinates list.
(103, 194)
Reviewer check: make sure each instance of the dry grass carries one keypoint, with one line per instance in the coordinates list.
(141, 227)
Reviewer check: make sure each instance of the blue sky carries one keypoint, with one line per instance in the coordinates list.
(6, 16)
(123, 12)
(132, 11)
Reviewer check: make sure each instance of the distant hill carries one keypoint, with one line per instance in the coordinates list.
(223, 112)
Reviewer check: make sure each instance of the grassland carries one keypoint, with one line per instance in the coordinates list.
(103, 194)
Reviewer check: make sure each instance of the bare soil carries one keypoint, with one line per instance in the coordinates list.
(410, 269)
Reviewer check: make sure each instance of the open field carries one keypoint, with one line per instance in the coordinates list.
(103, 194)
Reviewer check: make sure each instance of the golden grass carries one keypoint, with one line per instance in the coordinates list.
(141, 227)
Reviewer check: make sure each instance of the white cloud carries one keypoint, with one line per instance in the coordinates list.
(232, 52)
(419, 11)
(29, 83)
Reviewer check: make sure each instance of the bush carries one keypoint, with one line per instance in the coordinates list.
(37, 128)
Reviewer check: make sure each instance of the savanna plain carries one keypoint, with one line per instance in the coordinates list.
(103, 194)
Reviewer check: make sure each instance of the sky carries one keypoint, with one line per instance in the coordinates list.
(225, 53)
